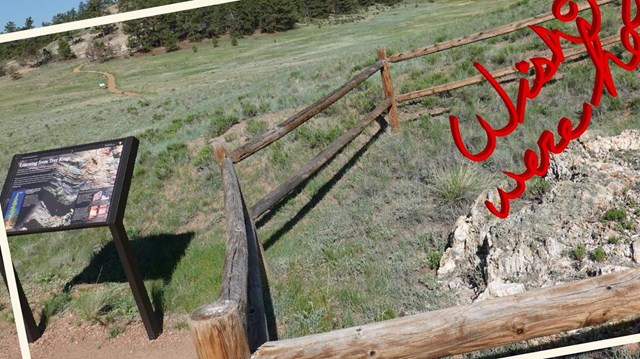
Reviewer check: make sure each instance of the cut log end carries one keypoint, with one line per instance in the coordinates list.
(213, 310)
(219, 149)
(218, 332)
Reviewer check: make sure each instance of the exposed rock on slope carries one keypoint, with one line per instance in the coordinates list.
(541, 245)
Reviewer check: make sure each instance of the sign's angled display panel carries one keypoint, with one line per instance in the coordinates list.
(67, 188)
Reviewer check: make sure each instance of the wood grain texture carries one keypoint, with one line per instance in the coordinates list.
(570, 55)
(316, 163)
(502, 30)
(218, 333)
(387, 85)
(301, 117)
(479, 326)
(236, 262)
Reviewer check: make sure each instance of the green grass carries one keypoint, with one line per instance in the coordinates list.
(599, 254)
(579, 252)
(360, 240)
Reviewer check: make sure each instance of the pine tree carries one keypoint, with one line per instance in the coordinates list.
(64, 49)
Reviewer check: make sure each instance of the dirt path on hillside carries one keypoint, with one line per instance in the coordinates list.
(111, 81)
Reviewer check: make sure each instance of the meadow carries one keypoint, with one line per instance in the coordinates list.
(361, 240)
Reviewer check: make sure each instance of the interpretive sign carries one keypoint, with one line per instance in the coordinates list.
(71, 188)
(68, 188)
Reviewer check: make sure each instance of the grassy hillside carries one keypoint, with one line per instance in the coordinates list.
(361, 240)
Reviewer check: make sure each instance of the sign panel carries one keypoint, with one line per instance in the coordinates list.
(67, 188)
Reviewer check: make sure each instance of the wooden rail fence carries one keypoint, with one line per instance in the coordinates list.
(236, 324)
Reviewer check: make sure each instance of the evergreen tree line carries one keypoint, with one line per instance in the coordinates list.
(28, 50)
(236, 19)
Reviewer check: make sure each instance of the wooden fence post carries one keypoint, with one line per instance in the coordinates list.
(387, 84)
(218, 332)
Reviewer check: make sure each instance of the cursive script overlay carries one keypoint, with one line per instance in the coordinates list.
(545, 69)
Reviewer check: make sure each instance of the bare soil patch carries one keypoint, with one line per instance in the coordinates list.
(67, 337)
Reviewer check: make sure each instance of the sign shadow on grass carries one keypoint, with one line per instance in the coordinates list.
(157, 258)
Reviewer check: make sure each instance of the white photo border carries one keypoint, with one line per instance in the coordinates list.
(195, 4)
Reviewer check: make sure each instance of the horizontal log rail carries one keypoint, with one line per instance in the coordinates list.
(317, 162)
(483, 325)
(498, 31)
(301, 117)
(571, 54)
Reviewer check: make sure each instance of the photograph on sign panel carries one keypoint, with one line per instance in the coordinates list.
(62, 190)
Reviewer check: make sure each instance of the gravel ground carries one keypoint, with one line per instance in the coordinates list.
(65, 338)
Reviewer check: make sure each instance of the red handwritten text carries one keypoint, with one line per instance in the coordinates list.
(588, 35)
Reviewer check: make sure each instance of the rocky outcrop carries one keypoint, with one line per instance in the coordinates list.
(583, 225)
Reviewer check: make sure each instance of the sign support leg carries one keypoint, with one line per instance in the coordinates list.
(33, 332)
(131, 269)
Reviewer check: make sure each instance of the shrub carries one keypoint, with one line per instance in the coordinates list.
(580, 252)
(214, 42)
(101, 52)
(599, 254)
(194, 49)
(256, 127)
(278, 155)
(221, 123)
(204, 157)
(3, 70)
(133, 111)
(167, 160)
(64, 50)
(614, 240)
(115, 331)
(249, 109)
(628, 225)
(93, 307)
(614, 214)
(14, 73)
(537, 188)
(433, 259)
(461, 183)
(317, 137)
(234, 41)
(170, 41)
(54, 305)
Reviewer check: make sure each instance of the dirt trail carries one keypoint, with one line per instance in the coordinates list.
(111, 81)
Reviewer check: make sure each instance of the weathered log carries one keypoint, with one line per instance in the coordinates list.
(257, 331)
(502, 30)
(301, 117)
(570, 54)
(316, 163)
(218, 332)
(482, 325)
(243, 269)
(236, 261)
(387, 85)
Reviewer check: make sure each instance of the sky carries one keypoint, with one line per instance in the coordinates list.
(40, 10)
